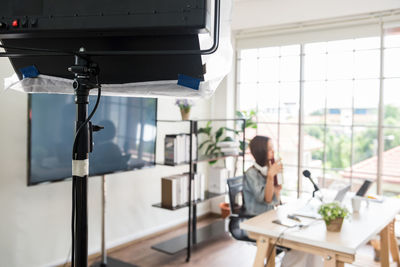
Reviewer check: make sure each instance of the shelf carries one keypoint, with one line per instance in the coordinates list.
(236, 119)
(203, 159)
(177, 244)
(208, 195)
(182, 242)
(170, 165)
(207, 159)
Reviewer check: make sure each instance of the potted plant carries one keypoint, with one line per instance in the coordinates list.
(184, 105)
(210, 144)
(333, 214)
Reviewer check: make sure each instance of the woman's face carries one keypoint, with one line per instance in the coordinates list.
(270, 150)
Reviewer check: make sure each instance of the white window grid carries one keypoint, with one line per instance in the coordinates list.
(379, 126)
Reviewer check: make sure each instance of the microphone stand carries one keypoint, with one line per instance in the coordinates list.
(315, 190)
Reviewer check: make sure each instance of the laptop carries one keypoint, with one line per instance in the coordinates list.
(341, 194)
(310, 210)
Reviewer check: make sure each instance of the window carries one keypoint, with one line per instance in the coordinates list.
(340, 84)
(270, 86)
(391, 113)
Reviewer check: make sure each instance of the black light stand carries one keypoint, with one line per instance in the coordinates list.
(84, 72)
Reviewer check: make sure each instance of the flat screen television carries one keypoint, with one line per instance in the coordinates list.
(127, 142)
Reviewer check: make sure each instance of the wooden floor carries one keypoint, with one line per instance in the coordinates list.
(223, 251)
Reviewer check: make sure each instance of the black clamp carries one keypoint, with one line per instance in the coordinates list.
(93, 128)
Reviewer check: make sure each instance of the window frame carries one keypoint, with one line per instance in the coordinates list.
(381, 105)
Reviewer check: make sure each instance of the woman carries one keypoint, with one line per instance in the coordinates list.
(261, 193)
(259, 190)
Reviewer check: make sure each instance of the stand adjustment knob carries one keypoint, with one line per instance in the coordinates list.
(97, 128)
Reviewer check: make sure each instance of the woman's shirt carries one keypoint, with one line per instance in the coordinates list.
(254, 193)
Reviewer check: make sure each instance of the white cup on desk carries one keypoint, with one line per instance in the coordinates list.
(356, 203)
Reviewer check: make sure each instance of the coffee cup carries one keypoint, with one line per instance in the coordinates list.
(356, 203)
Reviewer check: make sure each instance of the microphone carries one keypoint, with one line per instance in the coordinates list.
(307, 174)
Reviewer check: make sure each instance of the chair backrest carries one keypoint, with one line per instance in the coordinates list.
(236, 199)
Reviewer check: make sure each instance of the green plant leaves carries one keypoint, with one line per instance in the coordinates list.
(210, 144)
(227, 139)
(251, 124)
(206, 130)
(331, 211)
(204, 143)
(231, 130)
(208, 150)
(218, 134)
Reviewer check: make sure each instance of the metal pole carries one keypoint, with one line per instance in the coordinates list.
(103, 222)
(244, 146)
(80, 167)
(300, 129)
(194, 171)
(80, 157)
(189, 234)
(381, 111)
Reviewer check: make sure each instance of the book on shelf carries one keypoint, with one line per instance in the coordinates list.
(175, 188)
(177, 148)
(229, 148)
(169, 189)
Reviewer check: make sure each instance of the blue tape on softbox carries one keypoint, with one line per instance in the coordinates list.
(188, 81)
(29, 72)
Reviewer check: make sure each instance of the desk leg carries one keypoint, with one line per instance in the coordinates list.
(394, 247)
(339, 264)
(271, 251)
(262, 248)
(385, 246)
(330, 260)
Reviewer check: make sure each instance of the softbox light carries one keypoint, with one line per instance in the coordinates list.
(130, 47)
(178, 25)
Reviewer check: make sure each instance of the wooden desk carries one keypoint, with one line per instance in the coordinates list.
(335, 248)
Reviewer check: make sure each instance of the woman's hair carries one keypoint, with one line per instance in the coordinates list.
(258, 148)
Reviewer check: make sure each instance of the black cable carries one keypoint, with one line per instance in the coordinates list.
(88, 119)
(277, 240)
(282, 233)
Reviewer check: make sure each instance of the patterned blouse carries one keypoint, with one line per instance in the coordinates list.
(254, 193)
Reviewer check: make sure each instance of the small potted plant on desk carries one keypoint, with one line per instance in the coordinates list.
(333, 215)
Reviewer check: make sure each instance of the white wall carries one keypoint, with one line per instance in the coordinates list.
(35, 221)
(259, 13)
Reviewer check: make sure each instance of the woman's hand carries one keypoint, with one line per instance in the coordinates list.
(275, 168)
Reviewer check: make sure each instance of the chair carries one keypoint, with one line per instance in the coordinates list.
(238, 212)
